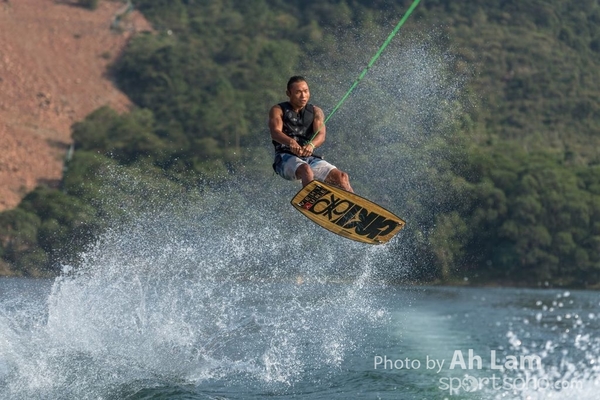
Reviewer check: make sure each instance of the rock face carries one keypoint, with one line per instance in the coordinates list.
(53, 72)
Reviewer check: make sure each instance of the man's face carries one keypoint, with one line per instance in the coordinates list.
(298, 94)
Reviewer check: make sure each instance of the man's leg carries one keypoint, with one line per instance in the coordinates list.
(339, 179)
(304, 173)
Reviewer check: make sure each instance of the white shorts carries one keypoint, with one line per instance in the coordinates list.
(286, 165)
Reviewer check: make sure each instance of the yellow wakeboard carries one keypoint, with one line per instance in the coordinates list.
(346, 214)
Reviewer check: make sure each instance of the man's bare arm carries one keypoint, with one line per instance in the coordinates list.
(319, 127)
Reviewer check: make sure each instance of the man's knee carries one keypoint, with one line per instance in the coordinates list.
(303, 170)
(338, 175)
(340, 179)
(344, 176)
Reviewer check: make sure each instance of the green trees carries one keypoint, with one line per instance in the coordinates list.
(48, 226)
(126, 138)
(532, 221)
(207, 68)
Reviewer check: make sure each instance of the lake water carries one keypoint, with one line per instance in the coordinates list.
(126, 336)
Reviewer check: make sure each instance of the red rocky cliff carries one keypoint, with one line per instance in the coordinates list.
(53, 63)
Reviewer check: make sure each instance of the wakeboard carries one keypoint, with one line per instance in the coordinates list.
(346, 214)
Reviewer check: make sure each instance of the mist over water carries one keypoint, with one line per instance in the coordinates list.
(411, 96)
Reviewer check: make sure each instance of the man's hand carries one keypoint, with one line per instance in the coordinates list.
(295, 148)
(307, 150)
(301, 151)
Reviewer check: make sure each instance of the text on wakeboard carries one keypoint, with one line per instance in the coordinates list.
(347, 214)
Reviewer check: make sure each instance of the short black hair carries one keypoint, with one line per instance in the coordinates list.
(295, 79)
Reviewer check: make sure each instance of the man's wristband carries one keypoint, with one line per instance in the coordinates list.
(311, 143)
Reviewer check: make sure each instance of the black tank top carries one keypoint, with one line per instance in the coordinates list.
(298, 126)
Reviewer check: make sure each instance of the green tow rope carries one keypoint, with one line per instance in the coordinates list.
(364, 71)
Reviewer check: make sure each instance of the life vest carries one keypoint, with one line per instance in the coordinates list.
(298, 126)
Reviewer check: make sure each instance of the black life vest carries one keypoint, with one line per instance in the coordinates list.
(296, 125)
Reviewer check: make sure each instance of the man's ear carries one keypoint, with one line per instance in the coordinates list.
(287, 93)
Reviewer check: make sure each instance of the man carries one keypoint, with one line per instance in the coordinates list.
(293, 124)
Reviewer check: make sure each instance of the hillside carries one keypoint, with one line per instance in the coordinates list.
(53, 59)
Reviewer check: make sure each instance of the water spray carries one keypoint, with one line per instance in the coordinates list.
(368, 67)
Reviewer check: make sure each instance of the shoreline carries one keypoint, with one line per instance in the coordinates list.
(437, 283)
